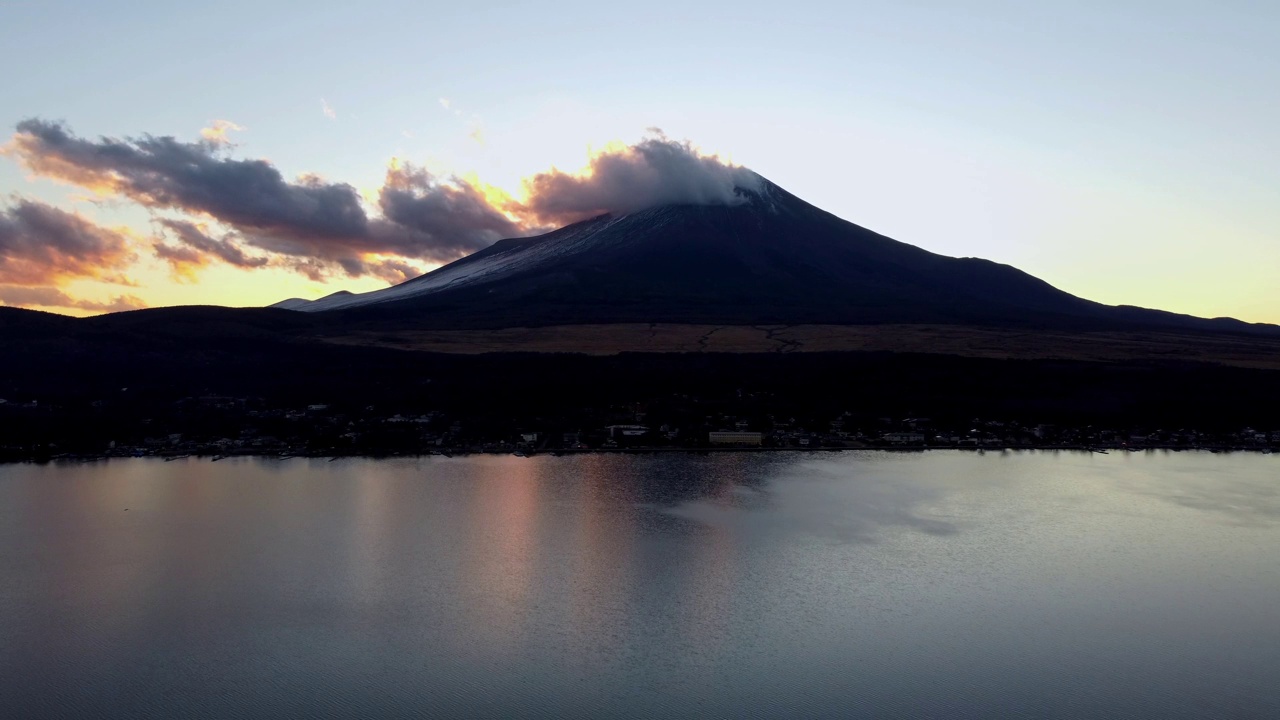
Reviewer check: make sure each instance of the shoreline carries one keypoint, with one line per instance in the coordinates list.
(333, 456)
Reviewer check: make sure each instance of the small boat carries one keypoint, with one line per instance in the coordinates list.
(216, 458)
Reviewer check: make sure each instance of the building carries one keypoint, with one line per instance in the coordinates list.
(904, 437)
(735, 437)
(617, 431)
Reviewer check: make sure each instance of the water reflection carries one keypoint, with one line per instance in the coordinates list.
(499, 562)
(1231, 491)
(824, 498)
(746, 585)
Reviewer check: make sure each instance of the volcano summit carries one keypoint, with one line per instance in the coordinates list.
(767, 258)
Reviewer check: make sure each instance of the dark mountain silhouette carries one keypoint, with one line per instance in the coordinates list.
(678, 307)
(771, 259)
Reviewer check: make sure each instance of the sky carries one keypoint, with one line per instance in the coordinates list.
(240, 153)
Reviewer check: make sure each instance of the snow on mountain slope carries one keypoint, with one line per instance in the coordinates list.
(502, 258)
(770, 259)
(529, 254)
(301, 304)
(292, 304)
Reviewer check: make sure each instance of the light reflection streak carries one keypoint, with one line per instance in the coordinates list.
(498, 568)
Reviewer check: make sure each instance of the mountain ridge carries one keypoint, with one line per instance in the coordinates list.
(771, 258)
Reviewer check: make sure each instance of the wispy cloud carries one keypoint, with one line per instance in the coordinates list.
(450, 106)
(196, 248)
(217, 131)
(327, 109)
(49, 297)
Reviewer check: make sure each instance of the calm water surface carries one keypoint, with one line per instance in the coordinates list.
(736, 585)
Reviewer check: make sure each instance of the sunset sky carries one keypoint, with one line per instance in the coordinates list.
(240, 153)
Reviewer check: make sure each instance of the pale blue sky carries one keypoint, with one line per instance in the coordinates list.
(1125, 151)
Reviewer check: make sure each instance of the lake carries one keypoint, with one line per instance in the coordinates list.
(746, 585)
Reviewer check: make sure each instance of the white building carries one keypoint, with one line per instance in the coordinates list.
(616, 431)
(735, 437)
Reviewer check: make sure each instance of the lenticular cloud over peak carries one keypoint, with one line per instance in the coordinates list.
(628, 178)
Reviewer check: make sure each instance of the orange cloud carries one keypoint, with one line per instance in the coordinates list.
(28, 149)
(320, 229)
(42, 245)
(217, 132)
(196, 248)
(49, 297)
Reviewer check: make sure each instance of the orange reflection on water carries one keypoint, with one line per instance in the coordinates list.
(373, 532)
(498, 565)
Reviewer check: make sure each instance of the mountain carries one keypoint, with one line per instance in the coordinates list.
(766, 307)
(769, 259)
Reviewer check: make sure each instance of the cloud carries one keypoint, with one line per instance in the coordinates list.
(197, 248)
(327, 109)
(453, 217)
(321, 229)
(15, 296)
(217, 132)
(393, 271)
(309, 217)
(448, 104)
(625, 179)
(183, 260)
(40, 244)
(162, 172)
